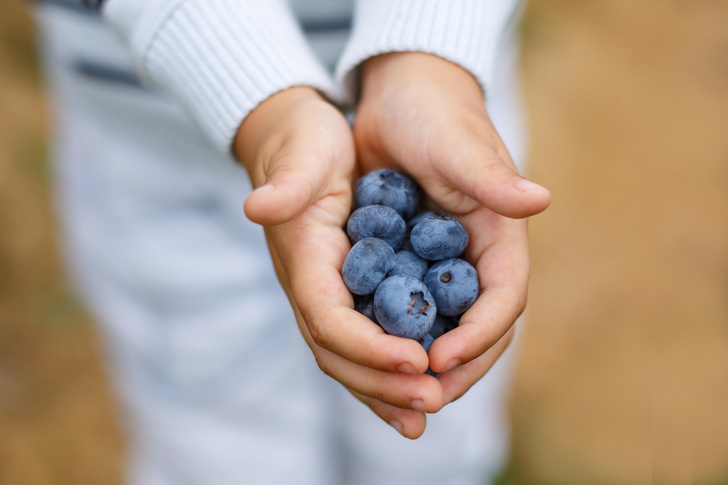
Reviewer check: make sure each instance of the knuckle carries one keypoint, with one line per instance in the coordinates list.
(379, 395)
(521, 303)
(508, 337)
(492, 162)
(323, 364)
(319, 333)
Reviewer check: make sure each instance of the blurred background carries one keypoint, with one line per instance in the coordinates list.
(623, 370)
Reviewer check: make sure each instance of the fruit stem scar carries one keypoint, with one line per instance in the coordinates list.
(411, 306)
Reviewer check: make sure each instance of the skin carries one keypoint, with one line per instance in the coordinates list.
(425, 116)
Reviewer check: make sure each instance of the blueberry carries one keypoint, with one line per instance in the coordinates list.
(366, 265)
(404, 307)
(437, 238)
(364, 304)
(407, 245)
(421, 217)
(377, 221)
(390, 188)
(442, 325)
(454, 284)
(408, 263)
(427, 342)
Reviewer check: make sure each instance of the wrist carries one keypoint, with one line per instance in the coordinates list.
(261, 130)
(416, 70)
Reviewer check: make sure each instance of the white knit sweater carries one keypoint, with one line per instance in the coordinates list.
(221, 58)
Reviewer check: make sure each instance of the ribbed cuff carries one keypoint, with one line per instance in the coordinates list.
(219, 58)
(465, 32)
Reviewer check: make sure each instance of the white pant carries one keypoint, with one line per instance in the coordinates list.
(216, 384)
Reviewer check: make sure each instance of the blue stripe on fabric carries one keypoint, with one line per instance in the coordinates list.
(79, 6)
(311, 26)
(95, 4)
(106, 73)
(326, 25)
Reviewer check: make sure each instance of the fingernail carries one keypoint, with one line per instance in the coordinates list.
(265, 188)
(407, 368)
(418, 405)
(451, 365)
(397, 425)
(524, 185)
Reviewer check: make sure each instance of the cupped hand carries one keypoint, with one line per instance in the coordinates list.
(299, 152)
(426, 116)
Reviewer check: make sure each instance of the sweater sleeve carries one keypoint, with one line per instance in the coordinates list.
(465, 32)
(218, 58)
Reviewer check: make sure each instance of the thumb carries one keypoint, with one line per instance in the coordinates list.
(293, 182)
(493, 182)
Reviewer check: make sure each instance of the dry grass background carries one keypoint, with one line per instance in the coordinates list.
(624, 371)
(57, 423)
(623, 375)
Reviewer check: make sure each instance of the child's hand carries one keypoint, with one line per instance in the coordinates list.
(299, 152)
(426, 116)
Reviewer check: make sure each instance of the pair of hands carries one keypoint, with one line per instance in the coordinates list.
(425, 116)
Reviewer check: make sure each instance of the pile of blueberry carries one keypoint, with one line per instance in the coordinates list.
(403, 268)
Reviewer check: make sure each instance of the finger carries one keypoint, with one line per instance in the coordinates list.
(419, 392)
(326, 306)
(503, 268)
(456, 382)
(295, 177)
(405, 390)
(480, 328)
(409, 423)
(354, 337)
(488, 176)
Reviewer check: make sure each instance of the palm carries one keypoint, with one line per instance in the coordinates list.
(422, 137)
(312, 173)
